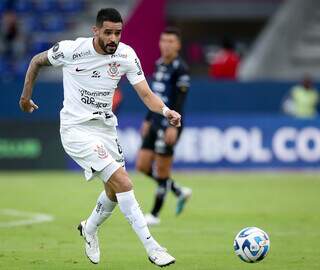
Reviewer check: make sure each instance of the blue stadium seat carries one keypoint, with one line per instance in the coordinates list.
(6, 70)
(40, 45)
(53, 23)
(46, 5)
(71, 6)
(31, 23)
(3, 65)
(3, 6)
(22, 6)
(21, 66)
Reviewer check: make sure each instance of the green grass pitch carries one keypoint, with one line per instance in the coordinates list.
(286, 206)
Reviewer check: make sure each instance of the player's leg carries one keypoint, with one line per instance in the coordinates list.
(105, 204)
(145, 155)
(144, 161)
(163, 165)
(91, 154)
(121, 185)
(89, 228)
(182, 193)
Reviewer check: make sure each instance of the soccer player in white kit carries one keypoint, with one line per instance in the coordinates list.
(92, 68)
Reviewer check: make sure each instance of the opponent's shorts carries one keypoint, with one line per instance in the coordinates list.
(94, 146)
(154, 140)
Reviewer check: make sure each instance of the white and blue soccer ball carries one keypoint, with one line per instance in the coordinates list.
(251, 244)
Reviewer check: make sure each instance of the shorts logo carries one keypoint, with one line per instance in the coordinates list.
(113, 70)
(102, 153)
(119, 147)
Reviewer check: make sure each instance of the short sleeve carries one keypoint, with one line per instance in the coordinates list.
(183, 77)
(134, 73)
(59, 53)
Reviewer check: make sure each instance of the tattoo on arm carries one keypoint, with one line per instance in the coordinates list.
(41, 59)
(35, 65)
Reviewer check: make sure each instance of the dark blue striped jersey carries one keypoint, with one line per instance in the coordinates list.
(171, 83)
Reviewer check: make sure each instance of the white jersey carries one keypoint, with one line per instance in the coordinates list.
(90, 79)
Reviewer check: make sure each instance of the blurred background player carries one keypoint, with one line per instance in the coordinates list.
(171, 83)
(116, 101)
(302, 100)
(226, 61)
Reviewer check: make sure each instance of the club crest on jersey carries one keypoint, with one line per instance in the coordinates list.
(113, 69)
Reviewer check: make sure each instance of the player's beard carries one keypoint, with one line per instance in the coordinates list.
(109, 48)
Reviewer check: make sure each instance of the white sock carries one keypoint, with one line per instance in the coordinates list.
(130, 208)
(100, 213)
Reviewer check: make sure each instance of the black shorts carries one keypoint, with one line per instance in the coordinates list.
(154, 140)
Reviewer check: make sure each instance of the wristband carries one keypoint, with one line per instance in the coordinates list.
(164, 110)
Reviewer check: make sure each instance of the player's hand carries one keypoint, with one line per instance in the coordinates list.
(174, 118)
(145, 127)
(27, 105)
(170, 136)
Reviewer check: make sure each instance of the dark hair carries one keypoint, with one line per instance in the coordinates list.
(108, 14)
(172, 30)
(227, 43)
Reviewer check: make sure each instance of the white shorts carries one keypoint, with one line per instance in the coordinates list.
(94, 146)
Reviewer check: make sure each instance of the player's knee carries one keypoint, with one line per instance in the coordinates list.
(163, 172)
(119, 182)
(126, 184)
(111, 195)
(142, 166)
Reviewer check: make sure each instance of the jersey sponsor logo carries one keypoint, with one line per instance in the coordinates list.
(81, 54)
(96, 74)
(113, 70)
(89, 98)
(101, 93)
(121, 55)
(138, 66)
(57, 55)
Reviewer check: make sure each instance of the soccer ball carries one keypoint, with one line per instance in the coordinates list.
(251, 244)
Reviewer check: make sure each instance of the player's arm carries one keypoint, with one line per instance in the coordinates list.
(37, 62)
(146, 124)
(180, 100)
(155, 104)
(181, 87)
(171, 133)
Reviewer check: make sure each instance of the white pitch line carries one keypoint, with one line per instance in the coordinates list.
(27, 218)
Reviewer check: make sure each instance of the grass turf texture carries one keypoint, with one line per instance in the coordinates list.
(286, 206)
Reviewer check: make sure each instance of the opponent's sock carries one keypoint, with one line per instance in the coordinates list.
(172, 185)
(130, 208)
(150, 174)
(100, 213)
(160, 196)
(175, 188)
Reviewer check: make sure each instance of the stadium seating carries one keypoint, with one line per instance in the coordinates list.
(41, 23)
